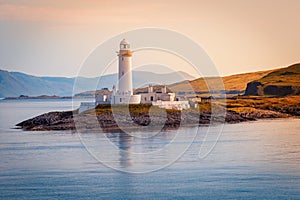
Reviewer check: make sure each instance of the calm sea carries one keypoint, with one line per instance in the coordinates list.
(253, 160)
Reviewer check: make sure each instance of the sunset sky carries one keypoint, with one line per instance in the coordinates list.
(53, 37)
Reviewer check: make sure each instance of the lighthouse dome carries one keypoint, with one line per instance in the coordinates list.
(124, 41)
(124, 45)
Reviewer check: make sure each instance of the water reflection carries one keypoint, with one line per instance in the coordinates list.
(125, 147)
(129, 152)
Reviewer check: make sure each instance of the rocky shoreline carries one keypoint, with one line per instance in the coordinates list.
(138, 121)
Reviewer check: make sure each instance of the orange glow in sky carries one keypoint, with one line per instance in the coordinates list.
(53, 37)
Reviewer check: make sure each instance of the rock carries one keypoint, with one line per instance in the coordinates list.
(107, 122)
(280, 90)
(254, 88)
(234, 117)
(50, 121)
(262, 114)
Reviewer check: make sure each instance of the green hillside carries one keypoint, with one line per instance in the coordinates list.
(233, 84)
(281, 82)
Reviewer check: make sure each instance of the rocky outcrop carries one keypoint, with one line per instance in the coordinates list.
(281, 82)
(279, 91)
(108, 122)
(291, 110)
(261, 114)
(254, 89)
(139, 121)
(50, 121)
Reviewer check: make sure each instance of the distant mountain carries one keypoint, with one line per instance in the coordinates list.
(281, 82)
(16, 83)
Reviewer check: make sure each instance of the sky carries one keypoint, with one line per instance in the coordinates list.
(53, 37)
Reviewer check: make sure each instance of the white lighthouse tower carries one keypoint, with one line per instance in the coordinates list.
(124, 93)
(125, 75)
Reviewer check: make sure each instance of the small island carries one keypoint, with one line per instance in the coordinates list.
(266, 95)
(238, 109)
(23, 97)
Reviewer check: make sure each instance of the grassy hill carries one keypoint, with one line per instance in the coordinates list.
(233, 84)
(278, 82)
(281, 82)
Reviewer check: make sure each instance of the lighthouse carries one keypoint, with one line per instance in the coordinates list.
(123, 94)
(125, 75)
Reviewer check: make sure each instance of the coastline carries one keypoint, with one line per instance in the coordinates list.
(94, 120)
(42, 97)
(139, 117)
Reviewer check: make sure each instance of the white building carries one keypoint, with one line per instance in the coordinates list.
(123, 94)
(152, 96)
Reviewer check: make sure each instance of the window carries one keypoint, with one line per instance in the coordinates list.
(120, 100)
(151, 99)
(145, 98)
(122, 73)
(122, 58)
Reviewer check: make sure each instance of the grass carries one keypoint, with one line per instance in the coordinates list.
(234, 82)
(239, 105)
(133, 109)
(263, 103)
(289, 76)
